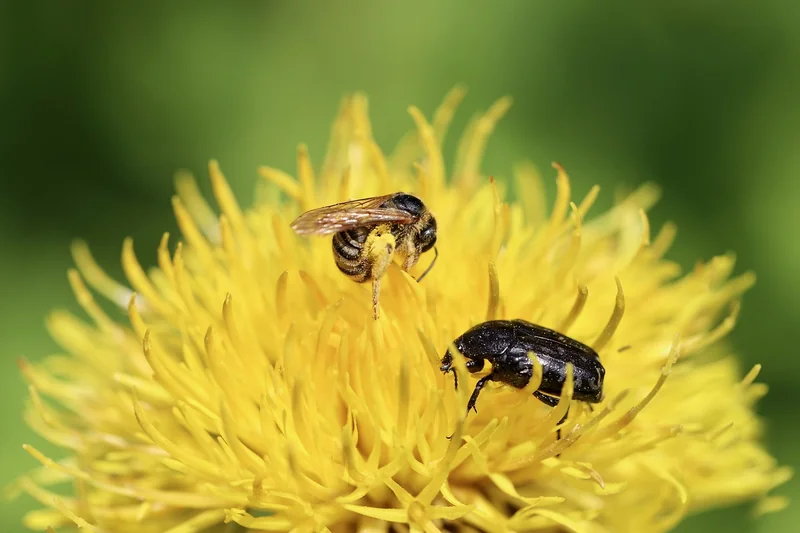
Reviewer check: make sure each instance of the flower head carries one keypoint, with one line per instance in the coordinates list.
(250, 383)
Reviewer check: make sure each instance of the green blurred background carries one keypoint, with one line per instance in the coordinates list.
(101, 102)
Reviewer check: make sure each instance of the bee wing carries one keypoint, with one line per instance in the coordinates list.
(348, 215)
(333, 222)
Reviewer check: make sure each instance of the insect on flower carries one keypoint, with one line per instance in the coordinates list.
(235, 398)
(506, 345)
(370, 231)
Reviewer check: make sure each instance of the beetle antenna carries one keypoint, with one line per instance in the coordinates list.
(435, 257)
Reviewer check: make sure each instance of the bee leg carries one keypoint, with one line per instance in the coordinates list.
(411, 259)
(376, 291)
(380, 253)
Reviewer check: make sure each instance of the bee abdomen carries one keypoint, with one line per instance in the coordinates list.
(347, 246)
(358, 271)
(347, 251)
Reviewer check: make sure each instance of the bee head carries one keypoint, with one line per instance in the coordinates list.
(409, 203)
(427, 236)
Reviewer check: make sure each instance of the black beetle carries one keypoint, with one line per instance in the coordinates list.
(506, 344)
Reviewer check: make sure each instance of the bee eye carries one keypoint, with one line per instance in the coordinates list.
(427, 238)
(428, 235)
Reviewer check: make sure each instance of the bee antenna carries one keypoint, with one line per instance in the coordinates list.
(435, 257)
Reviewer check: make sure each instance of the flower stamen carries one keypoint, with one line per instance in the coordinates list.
(628, 417)
(613, 321)
(473, 144)
(571, 255)
(287, 408)
(494, 292)
(575, 311)
(95, 276)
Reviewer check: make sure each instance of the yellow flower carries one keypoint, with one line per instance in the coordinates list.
(250, 383)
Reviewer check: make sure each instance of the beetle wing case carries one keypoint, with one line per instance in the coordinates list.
(554, 352)
(487, 339)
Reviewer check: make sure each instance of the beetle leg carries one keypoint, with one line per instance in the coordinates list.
(558, 431)
(475, 365)
(552, 402)
(474, 398)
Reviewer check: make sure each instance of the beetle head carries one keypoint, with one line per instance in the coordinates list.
(447, 360)
(447, 366)
(474, 362)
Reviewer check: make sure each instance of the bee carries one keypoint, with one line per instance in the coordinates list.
(368, 234)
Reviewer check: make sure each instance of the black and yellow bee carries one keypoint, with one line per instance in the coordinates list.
(369, 232)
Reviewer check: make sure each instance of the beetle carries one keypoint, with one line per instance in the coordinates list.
(506, 344)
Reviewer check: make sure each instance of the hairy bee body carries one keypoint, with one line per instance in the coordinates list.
(369, 233)
(348, 251)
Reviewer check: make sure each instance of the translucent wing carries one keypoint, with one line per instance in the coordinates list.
(348, 215)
